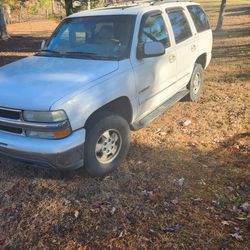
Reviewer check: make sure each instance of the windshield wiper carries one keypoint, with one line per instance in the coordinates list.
(82, 54)
(50, 51)
(90, 55)
(107, 57)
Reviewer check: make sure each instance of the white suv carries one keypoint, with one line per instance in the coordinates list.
(102, 73)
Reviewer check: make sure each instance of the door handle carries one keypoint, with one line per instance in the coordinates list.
(172, 58)
(193, 47)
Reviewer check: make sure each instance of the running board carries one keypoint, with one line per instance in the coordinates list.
(158, 111)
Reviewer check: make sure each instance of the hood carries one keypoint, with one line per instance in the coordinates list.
(36, 83)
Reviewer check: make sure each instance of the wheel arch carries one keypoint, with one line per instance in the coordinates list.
(120, 106)
(202, 60)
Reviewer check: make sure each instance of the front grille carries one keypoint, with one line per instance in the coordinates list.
(12, 115)
(11, 130)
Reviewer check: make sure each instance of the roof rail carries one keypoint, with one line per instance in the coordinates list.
(121, 3)
(155, 2)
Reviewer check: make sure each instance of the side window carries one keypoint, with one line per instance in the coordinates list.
(154, 29)
(199, 17)
(180, 25)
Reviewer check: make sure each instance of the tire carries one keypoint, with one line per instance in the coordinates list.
(195, 89)
(107, 143)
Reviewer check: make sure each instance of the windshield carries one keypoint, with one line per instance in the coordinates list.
(93, 37)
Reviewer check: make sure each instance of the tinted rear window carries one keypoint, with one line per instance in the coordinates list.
(199, 17)
(180, 25)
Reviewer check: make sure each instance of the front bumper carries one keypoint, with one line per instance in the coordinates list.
(62, 154)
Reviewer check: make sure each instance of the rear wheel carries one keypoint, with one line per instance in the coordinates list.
(107, 143)
(196, 84)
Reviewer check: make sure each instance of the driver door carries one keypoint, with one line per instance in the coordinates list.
(154, 75)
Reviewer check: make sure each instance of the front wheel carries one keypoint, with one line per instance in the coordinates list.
(196, 83)
(107, 143)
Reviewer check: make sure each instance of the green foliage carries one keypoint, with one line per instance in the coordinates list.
(37, 6)
(237, 200)
(31, 5)
(83, 5)
(14, 244)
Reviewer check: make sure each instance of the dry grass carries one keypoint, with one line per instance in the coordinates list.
(38, 207)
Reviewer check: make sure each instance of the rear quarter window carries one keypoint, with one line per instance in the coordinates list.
(199, 18)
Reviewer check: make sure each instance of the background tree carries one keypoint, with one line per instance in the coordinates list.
(3, 27)
(78, 5)
(221, 15)
(69, 7)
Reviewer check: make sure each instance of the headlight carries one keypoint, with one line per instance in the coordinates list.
(47, 124)
(47, 116)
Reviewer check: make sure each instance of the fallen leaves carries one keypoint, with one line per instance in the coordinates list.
(241, 218)
(151, 195)
(66, 202)
(239, 209)
(96, 210)
(245, 207)
(180, 182)
(225, 223)
(172, 228)
(186, 123)
(237, 236)
(76, 214)
(154, 197)
(175, 201)
(162, 133)
(196, 200)
(113, 210)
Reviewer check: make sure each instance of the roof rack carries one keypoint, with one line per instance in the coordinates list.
(156, 2)
(138, 2)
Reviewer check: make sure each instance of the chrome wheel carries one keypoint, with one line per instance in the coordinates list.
(197, 83)
(108, 146)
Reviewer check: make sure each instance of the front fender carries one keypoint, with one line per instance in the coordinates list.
(80, 106)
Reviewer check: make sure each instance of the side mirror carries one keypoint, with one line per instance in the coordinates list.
(151, 49)
(43, 44)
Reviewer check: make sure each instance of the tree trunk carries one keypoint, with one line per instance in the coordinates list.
(3, 27)
(221, 15)
(21, 14)
(60, 9)
(69, 7)
(53, 6)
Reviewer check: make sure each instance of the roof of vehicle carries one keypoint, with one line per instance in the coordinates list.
(133, 8)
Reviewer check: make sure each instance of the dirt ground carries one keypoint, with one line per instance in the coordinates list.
(179, 188)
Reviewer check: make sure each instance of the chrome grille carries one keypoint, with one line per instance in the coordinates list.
(12, 121)
(12, 115)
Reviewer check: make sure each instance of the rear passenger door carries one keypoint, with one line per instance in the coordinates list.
(185, 44)
(204, 36)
